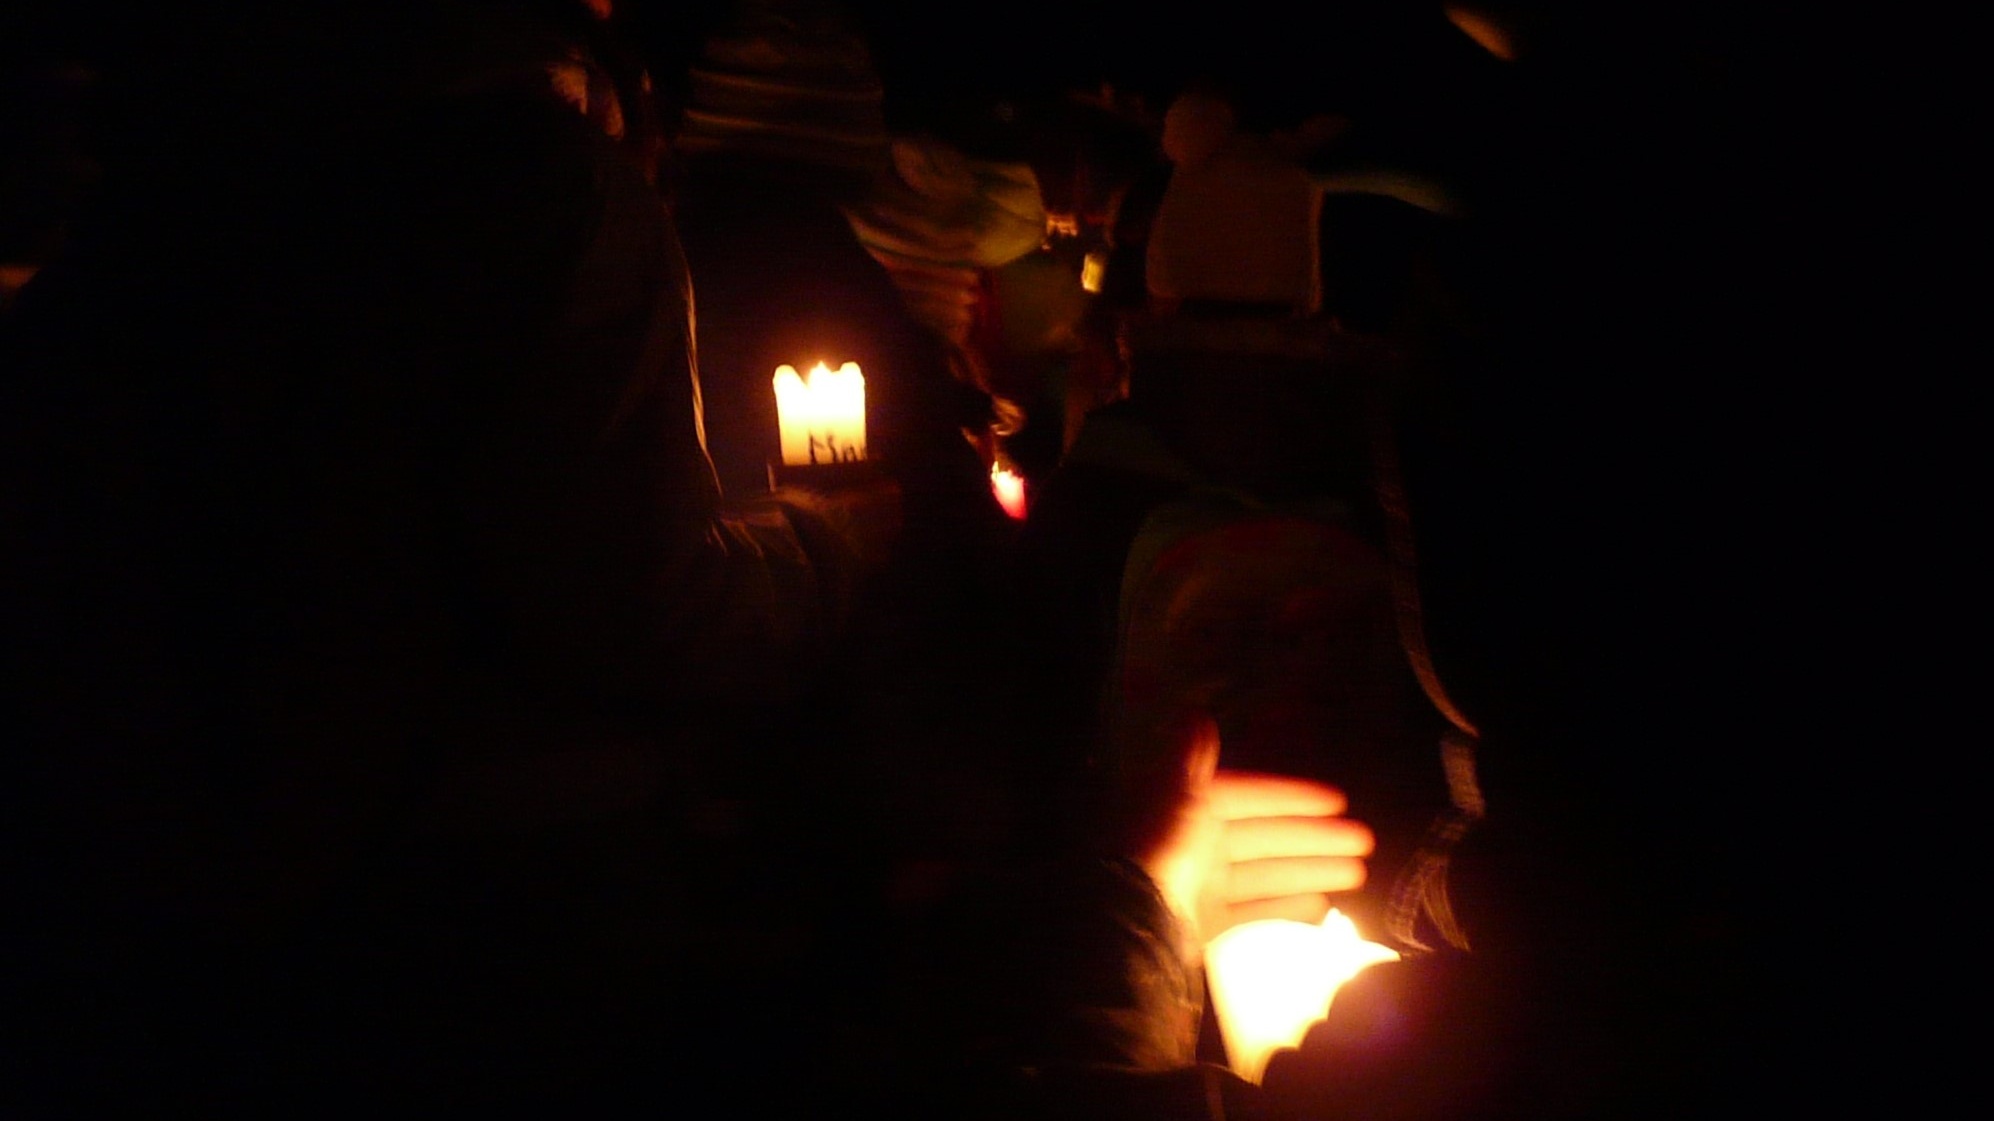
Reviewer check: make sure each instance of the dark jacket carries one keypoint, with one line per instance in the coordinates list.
(396, 715)
(378, 635)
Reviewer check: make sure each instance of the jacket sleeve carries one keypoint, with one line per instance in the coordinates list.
(597, 526)
(1073, 992)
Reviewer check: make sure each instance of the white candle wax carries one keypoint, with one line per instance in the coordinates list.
(822, 416)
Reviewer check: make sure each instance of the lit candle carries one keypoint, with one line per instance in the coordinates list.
(1094, 271)
(1009, 489)
(822, 417)
(1272, 979)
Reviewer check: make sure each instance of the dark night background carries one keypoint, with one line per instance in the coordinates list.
(1604, 551)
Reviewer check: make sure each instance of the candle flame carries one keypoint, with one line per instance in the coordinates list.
(821, 415)
(1009, 488)
(1271, 980)
(1094, 272)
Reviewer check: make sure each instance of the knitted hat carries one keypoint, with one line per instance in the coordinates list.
(787, 81)
(1238, 221)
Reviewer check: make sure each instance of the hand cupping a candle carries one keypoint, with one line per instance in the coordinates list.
(1214, 608)
(1230, 619)
(1248, 863)
(1229, 847)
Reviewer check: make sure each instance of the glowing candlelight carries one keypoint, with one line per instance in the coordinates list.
(1094, 271)
(1009, 488)
(822, 417)
(1271, 980)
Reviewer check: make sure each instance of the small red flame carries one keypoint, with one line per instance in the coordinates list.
(1009, 488)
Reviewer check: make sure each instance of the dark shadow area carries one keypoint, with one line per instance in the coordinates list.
(1601, 483)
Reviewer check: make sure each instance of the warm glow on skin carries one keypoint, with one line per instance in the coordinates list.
(1241, 846)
